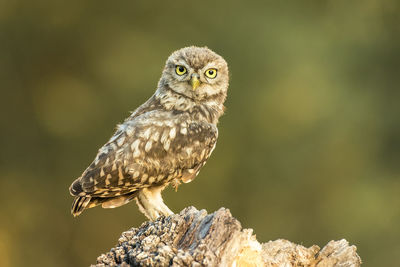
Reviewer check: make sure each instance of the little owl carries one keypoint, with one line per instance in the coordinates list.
(165, 141)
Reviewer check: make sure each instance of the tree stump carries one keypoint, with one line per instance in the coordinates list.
(195, 238)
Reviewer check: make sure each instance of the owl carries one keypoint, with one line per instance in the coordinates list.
(167, 140)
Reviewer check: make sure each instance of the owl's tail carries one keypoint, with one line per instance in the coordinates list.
(86, 202)
(79, 204)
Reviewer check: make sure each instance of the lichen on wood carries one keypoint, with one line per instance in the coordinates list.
(195, 238)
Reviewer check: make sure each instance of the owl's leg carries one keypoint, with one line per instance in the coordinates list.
(151, 203)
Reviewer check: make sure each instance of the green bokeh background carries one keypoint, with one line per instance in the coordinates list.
(309, 148)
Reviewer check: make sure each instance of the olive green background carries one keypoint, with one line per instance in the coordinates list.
(309, 148)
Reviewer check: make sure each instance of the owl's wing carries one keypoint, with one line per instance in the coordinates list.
(154, 148)
(107, 175)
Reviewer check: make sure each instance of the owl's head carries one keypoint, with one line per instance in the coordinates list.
(196, 72)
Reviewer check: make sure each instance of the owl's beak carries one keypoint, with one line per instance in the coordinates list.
(194, 81)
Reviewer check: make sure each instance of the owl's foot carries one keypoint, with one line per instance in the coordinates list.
(175, 184)
(151, 203)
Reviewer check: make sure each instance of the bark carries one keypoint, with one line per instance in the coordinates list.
(195, 238)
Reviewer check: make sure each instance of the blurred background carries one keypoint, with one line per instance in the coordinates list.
(309, 148)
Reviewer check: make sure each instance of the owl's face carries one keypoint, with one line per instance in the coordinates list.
(196, 72)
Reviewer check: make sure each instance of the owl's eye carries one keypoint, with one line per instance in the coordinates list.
(211, 73)
(180, 70)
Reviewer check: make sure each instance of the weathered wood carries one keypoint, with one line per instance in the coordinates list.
(195, 238)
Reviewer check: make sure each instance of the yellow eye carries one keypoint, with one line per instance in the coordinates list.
(180, 70)
(211, 73)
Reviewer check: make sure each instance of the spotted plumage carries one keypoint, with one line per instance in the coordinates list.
(165, 141)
